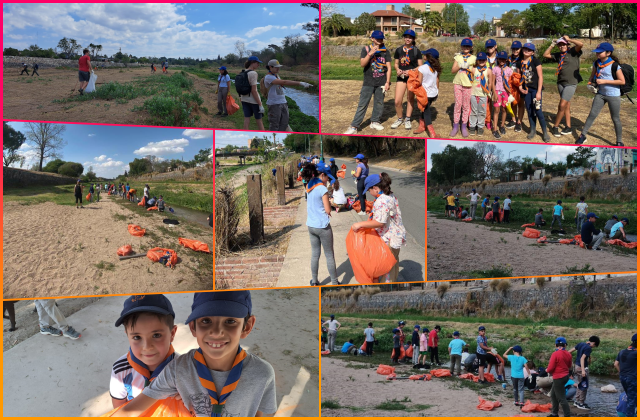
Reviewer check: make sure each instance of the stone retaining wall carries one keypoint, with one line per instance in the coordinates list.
(14, 177)
(13, 61)
(191, 174)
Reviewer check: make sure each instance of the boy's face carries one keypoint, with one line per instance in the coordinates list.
(150, 339)
(219, 336)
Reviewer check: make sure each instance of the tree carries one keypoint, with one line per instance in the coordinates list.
(335, 23)
(489, 157)
(10, 52)
(46, 139)
(98, 48)
(482, 28)
(92, 48)
(202, 156)
(510, 22)
(69, 46)
(313, 27)
(328, 9)
(581, 158)
(241, 49)
(410, 11)
(71, 169)
(231, 58)
(90, 175)
(432, 21)
(456, 19)
(453, 165)
(364, 23)
(12, 140)
(53, 166)
(139, 167)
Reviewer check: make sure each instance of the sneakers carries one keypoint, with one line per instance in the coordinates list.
(567, 131)
(620, 144)
(71, 333)
(397, 123)
(496, 135)
(556, 131)
(581, 406)
(351, 130)
(503, 130)
(552, 415)
(407, 124)
(50, 331)
(376, 126)
(546, 137)
(312, 283)
(335, 282)
(511, 124)
(518, 128)
(480, 131)
(582, 139)
(472, 131)
(361, 213)
(81, 91)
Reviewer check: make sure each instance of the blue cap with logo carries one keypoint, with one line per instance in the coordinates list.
(602, 47)
(222, 68)
(377, 35)
(481, 56)
(409, 32)
(592, 215)
(158, 304)
(467, 42)
(518, 349)
(254, 58)
(503, 55)
(332, 160)
(432, 52)
(529, 46)
(323, 168)
(234, 304)
(515, 45)
(490, 43)
(359, 156)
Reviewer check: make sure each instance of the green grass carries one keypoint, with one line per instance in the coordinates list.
(103, 265)
(331, 404)
(579, 270)
(392, 405)
(59, 194)
(494, 271)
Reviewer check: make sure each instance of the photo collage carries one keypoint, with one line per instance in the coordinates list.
(344, 209)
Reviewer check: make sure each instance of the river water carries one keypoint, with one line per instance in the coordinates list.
(309, 103)
(195, 216)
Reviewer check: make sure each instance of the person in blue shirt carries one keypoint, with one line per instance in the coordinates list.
(583, 358)
(318, 213)
(485, 207)
(347, 346)
(627, 365)
(455, 353)
(558, 214)
(518, 365)
(362, 172)
(617, 230)
(224, 81)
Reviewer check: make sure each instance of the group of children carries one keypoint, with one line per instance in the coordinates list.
(500, 213)
(508, 83)
(25, 69)
(165, 67)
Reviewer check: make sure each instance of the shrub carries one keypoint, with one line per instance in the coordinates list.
(624, 171)
(71, 169)
(586, 175)
(493, 284)
(442, 289)
(594, 176)
(540, 282)
(546, 180)
(504, 286)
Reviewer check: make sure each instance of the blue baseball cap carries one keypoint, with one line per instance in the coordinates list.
(332, 160)
(234, 303)
(409, 32)
(359, 156)
(518, 349)
(395, 330)
(456, 334)
(496, 198)
(432, 52)
(481, 56)
(584, 384)
(559, 201)
(370, 181)
(602, 47)
(425, 329)
(158, 304)
(377, 35)
(481, 328)
(473, 189)
(490, 43)
(323, 168)
(503, 55)
(467, 42)
(561, 341)
(515, 45)
(529, 46)
(614, 217)
(634, 337)
(624, 219)
(254, 58)
(416, 326)
(222, 68)
(592, 215)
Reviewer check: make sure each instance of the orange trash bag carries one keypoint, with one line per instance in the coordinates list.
(142, 202)
(369, 256)
(485, 405)
(385, 370)
(136, 230)
(133, 191)
(325, 352)
(542, 239)
(528, 225)
(195, 245)
(489, 377)
(415, 86)
(341, 174)
(391, 377)
(489, 216)
(630, 245)
(471, 376)
(409, 352)
(423, 377)
(124, 250)
(152, 208)
(232, 106)
(169, 407)
(156, 253)
(368, 205)
(299, 179)
(88, 197)
(578, 239)
(530, 407)
(440, 373)
(468, 219)
(565, 241)
(343, 166)
(531, 233)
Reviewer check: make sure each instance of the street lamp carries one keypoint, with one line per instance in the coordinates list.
(509, 173)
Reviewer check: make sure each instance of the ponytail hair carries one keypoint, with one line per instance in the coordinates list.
(248, 63)
(385, 183)
(614, 58)
(434, 63)
(365, 161)
(336, 185)
(309, 171)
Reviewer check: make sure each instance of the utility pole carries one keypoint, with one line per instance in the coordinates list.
(455, 19)
(321, 150)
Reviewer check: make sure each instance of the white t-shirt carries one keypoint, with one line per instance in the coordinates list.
(253, 81)
(339, 197)
(146, 192)
(474, 198)
(369, 334)
(429, 80)
(582, 208)
(333, 325)
(507, 204)
(276, 92)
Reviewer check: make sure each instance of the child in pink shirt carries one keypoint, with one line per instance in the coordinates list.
(424, 348)
(502, 75)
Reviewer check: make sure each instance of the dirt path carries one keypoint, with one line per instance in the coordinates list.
(31, 98)
(455, 247)
(340, 98)
(54, 250)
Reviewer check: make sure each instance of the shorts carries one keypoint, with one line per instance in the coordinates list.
(400, 80)
(482, 360)
(566, 92)
(502, 100)
(251, 110)
(451, 207)
(424, 353)
(84, 76)
(491, 359)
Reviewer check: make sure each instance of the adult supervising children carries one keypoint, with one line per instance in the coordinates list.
(406, 58)
(627, 365)
(362, 172)
(591, 236)
(568, 73)
(224, 80)
(333, 327)
(84, 70)
(559, 368)
(247, 87)
(277, 101)
(474, 196)
(77, 192)
(581, 373)
(531, 88)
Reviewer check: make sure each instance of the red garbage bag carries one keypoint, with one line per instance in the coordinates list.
(88, 197)
(136, 230)
(232, 106)
(485, 405)
(341, 174)
(468, 219)
(195, 245)
(169, 407)
(630, 245)
(143, 201)
(325, 352)
(531, 233)
(542, 239)
(152, 208)
(423, 377)
(385, 370)
(528, 225)
(440, 373)
(368, 204)
(156, 253)
(530, 407)
(369, 256)
(343, 166)
(124, 250)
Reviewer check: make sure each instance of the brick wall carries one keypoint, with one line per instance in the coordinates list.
(240, 272)
(14, 177)
(279, 215)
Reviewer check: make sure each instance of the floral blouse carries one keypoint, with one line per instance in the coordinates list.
(387, 211)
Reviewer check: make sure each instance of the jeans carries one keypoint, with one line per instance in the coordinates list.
(426, 114)
(322, 237)
(362, 194)
(518, 389)
(614, 110)
(597, 239)
(49, 315)
(369, 348)
(472, 211)
(630, 385)
(363, 103)
(558, 397)
(506, 215)
(556, 218)
(534, 113)
(332, 339)
(454, 361)
(580, 220)
(416, 354)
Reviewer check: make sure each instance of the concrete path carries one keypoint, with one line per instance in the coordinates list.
(54, 376)
(410, 190)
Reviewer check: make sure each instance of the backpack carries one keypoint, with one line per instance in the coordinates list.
(242, 83)
(629, 78)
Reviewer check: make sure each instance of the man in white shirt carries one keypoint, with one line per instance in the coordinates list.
(474, 203)
(507, 208)
(334, 326)
(581, 213)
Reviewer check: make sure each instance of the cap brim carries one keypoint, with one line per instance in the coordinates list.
(219, 308)
(153, 309)
(597, 50)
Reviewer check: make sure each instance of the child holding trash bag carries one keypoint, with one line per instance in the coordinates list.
(224, 80)
(375, 60)
(385, 218)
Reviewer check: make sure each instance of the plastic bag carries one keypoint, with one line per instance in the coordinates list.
(341, 173)
(409, 351)
(195, 245)
(142, 202)
(528, 225)
(471, 376)
(369, 256)
(169, 407)
(485, 405)
(401, 356)
(152, 208)
(385, 370)
(299, 179)
(124, 250)
(136, 230)
(531, 233)
(156, 253)
(489, 377)
(325, 352)
(468, 219)
(343, 166)
(623, 243)
(530, 407)
(88, 197)
(368, 206)
(440, 373)
(542, 239)
(232, 106)
(423, 377)
(91, 87)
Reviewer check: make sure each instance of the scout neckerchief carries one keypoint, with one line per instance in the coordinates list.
(513, 61)
(469, 74)
(378, 63)
(505, 82)
(561, 62)
(426, 63)
(313, 183)
(206, 380)
(524, 66)
(607, 63)
(492, 64)
(142, 368)
(406, 60)
(483, 80)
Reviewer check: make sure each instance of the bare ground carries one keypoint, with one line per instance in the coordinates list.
(31, 98)
(53, 250)
(456, 247)
(340, 99)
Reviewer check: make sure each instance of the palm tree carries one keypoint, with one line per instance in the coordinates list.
(432, 21)
(335, 23)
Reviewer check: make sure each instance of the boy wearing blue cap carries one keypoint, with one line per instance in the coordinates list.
(605, 81)
(480, 93)
(455, 353)
(558, 214)
(617, 230)
(247, 87)
(518, 366)
(514, 62)
(415, 344)
(148, 323)
(375, 60)
(219, 379)
(591, 236)
(224, 80)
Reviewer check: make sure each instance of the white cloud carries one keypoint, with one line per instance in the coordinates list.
(106, 167)
(271, 13)
(497, 6)
(262, 29)
(264, 8)
(100, 158)
(470, 6)
(165, 147)
(91, 135)
(201, 24)
(556, 153)
(198, 134)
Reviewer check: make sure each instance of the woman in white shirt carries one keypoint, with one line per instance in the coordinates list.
(223, 90)
(430, 78)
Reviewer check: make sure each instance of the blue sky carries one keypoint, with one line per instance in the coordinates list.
(240, 138)
(109, 149)
(553, 153)
(196, 30)
(475, 10)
